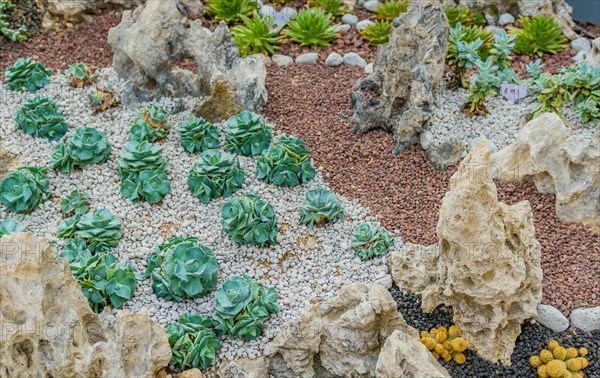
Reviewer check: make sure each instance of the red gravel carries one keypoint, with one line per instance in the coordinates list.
(405, 191)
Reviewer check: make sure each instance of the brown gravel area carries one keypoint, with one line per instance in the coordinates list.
(405, 191)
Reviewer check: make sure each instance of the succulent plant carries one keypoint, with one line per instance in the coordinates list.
(445, 343)
(390, 9)
(217, 174)
(464, 15)
(539, 34)
(24, 189)
(150, 186)
(464, 50)
(369, 241)
(286, 163)
(230, 10)
(8, 226)
(137, 157)
(506, 75)
(68, 227)
(182, 268)
(248, 134)
(483, 83)
(193, 342)
(250, 220)
(197, 135)
(558, 361)
(86, 146)
(256, 36)
(27, 74)
(377, 33)
(101, 229)
(503, 46)
(14, 35)
(319, 207)
(103, 97)
(242, 307)
(75, 203)
(150, 125)
(534, 69)
(81, 75)
(336, 8)
(312, 27)
(41, 117)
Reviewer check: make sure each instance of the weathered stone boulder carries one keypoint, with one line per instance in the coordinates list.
(592, 58)
(60, 13)
(151, 40)
(558, 161)
(405, 75)
(49, 329)
(8, 161)
(245, 368)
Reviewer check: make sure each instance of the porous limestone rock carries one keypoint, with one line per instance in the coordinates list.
(49, 329)
(59, 13)
(220, 105)
(558, 161)
(151, 40)
(8, 161)
(405, 75)
(414, 266)
(245, 368)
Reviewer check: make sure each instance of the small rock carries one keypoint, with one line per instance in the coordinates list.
(282, 60)
(580, 57)
(307, 58)
(505, 19)
(353, 59)
(369, 68)
(344, 28)
(363, 24)
(288, 12)
(190, 373)
(551, 317)
(581, 44)
(349, 19)
(586, 319)
(267, 11)
(334, 59)
(371, 5)
(494, 29)
(426, 138)
(263, 57)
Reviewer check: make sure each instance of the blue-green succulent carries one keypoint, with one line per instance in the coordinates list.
(369, 241)
(8, 226)
(100, 229)
(248, 134)
(27, 74)
(24, 189)
(216, 174)
(286, 163)
(150, 125)
(250, 220)
(86, 146)
(197, 135)
(41, 117)
(81, 75)
(320, 206)
(75, 203)
(193, 342)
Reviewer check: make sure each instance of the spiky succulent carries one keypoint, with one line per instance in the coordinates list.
(8, 226)
(142, 171)
(75, 203)
(482, 84)
(390, 9)
(463, 15)
(101, 229)
(336, 8)
(503, 46)
(81, 75)
(41, 117)
(539, 34)
(197, 135)
(312, 27)
(230, 10)
(377, 33)
(256, 36)
(248, 134)
(193, 342)
(85, 147)
(319, 207)
(182, 268)
(27, 74)
(103, 97)
(24, 189)
(104, 280)
(217, 174)
(369, 241)
(250, 220)
(242, 306)
(150, 125)
(286, 163)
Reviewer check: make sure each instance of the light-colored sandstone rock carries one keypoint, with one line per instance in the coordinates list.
(49, 327)
(245, 368)
(414, 267)
(8, 161)
(59, 13)
(190, 373)
(593, 56)
(547, 152)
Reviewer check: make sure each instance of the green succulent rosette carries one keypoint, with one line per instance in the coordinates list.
(101, 229)
(248, 134)
(193, 342)
(141, 156)
(142, 171)
(81, 75)
(24, 189)
(369, 241)
(197, 135)
(319, 207)
(216, 174)
(150, 125)
(40, 117)
(8, 226)
(27, 74)
(250, 220)
(85, 147)
(286, 163)
(75, 203)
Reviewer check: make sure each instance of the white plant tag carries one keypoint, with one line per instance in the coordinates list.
(513, 92)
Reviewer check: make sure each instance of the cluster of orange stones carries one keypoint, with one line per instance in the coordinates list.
(445, 343)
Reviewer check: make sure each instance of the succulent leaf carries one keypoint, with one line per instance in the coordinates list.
(320, 206)
(198, 135)
(150, 125)
(248, 134)
(86, 146)
(8, 226)
(81, 75)
(256, 36)
(286, 163)
(41, 117)
(24, 189)
(217, 174)
(230, 10)
(101, 229)
(369, 241)
(336, 8)
(27, 74)
(250, 220)
(387, 11)
(193, 342)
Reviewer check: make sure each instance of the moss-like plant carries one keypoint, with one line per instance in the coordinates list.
(255, 36)
(42, 118)
(86, 146)
(369, 241)
(387, 11)
(150, 125)
(24, 189)
(27, 74)
(286, 163)
(81, 75)
(193, 342)
(248, 134)
(217, 174)
(312, 27)
(464, 15)
(103, 97)
(320, 206)
(482, 84)
(197, 135)
(8, 226)
(75, 203)
(539, 34)
(242, 306)
(336, 8)
(377, 33)
(250, 220)
(230, 10)
(14, 35)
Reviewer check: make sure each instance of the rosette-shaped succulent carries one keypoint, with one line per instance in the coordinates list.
(86, 146)
(41, 117)
(102, 97)
(319, 207)
(8, 226)
(68, 227)
(369, 241)
(150, 125)
(151, 186)
(24, 189)
(198, 135)
(81, 75)
(250, 220)
(242, 307)
(143, 156)
(216, 174)
(182, 268)
(27, 74)
(75, 203)
(248, 134)
(286, 163)
(101, 229)
(193, 342)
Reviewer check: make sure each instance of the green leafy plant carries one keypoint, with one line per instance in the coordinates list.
(312, 27)
(217, 174)
(150, 125)
(81, 75)
(255, 36)
(464, 15)
(104, 280)
(86, 146)
(103, 97)
(539, 34)
(150, 186)
(369, 241)
(377, 33)
(319, 207)
(182, 268)
(24, 189)
(41, 117)
(507, 75)
(242, 306)
(8, 226)
(483, 83)
(197, 135)
(100, 229)
(286, 163)
(250, 220)
(464, 48)
(68, 227)
(503, 46)
(27, 74)
(336, 8)
(534, 69)
(248, 134)
(15, 35)
(193, 342)
(230, 10)
(390, 9)
(75, 203)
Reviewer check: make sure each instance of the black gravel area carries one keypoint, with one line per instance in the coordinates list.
(533, 338)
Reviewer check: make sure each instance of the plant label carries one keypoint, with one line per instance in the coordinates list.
(513, 92)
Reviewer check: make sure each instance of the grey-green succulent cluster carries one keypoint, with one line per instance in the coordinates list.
(8, 226)
(24, 189)
(75, 203)
(286, 163)
(248, 134)
(41, 117)
(250, 220)
(193, 342)
(369, 241)
(198, 135)
(100, 229)
(319, 207)
(81, 75)
(86, 146)
(182, 268)
(216, 174)
(242, 307)
(503, 45)
(483, 83)
(150, 125)
(27, 74)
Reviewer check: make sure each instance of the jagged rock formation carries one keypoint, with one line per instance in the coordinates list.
(405, 75)
(150, 41)
(558, 161)
(50, 330)
(61, 13)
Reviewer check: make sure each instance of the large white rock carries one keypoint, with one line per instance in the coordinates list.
(593, 57)
(586, 319)
(551, 317)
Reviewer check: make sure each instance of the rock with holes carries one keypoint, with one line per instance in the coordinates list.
(405, 75)
(558, 161)
(48, 327)
(8, 161)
